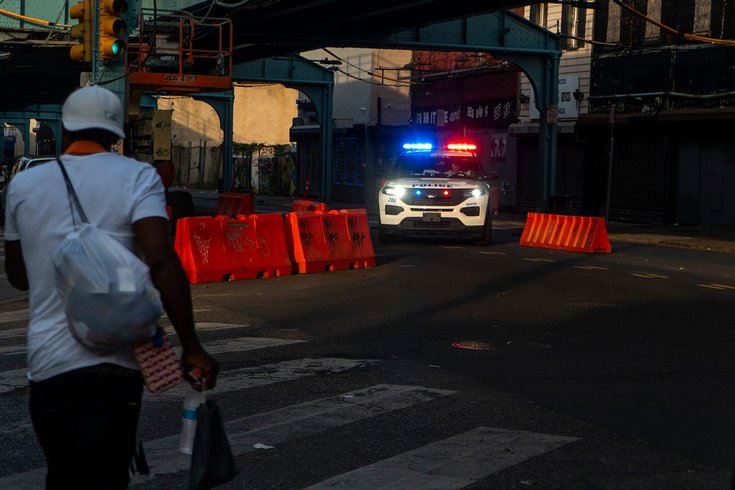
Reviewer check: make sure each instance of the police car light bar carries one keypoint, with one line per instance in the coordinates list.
(462, 146)
(418, 146)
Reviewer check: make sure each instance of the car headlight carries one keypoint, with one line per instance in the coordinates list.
(476, 192)
(394, 190)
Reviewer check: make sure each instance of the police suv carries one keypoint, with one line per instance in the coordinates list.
(437, 192)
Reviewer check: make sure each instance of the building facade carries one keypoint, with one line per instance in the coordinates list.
(662, 89)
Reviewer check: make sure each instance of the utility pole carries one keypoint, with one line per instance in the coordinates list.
(610, 161)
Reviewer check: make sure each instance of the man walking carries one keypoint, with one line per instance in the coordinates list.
(84, 405)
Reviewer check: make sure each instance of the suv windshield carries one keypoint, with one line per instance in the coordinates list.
(436, 166)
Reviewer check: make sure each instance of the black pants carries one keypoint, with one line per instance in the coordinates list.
(86, 422)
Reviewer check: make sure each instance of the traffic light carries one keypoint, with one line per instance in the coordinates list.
(112, 28)
(84, 30)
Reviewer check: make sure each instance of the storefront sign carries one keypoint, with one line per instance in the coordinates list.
(493, 113)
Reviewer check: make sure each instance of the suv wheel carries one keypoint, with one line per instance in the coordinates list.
(487, 233)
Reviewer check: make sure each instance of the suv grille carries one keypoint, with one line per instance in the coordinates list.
(433, 197)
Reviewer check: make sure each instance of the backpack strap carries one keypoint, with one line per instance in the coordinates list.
(73, 198)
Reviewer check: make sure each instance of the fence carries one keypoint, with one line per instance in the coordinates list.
(197, 166)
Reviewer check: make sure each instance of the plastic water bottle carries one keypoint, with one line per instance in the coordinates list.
(189, 420)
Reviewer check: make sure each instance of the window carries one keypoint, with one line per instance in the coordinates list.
(573, 23)
(538, 14)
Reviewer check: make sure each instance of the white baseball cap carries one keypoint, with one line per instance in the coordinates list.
(93, 107)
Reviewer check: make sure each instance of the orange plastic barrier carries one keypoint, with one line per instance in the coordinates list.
(256, 246)
(336, 240)
(361, 245)
(232, 204)
(307, 205)
(572, 233)
(201, 250)
(306, 241)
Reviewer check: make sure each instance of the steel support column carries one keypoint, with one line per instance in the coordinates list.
(223, 104)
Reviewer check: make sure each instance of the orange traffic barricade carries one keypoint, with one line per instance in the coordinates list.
(256, 245)
(571, 233)
(336, 240)
(307, 242)
(307, 205)
(361, 245)
(232, 204)
(201, 249)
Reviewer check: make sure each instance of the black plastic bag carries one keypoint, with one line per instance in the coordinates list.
(212, 462)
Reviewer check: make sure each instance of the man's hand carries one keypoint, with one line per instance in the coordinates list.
(201, 369)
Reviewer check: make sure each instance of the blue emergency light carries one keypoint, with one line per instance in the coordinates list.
(418, 146)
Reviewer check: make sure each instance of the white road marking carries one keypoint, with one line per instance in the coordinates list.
(24, 315)
(14, 316)
(650, 276)
(297, 421)
(244, 343)
(14, 379)
(244, 378)
(270, 428)
(493, 253)
(20, 333)
(452, 463)
(716, 286)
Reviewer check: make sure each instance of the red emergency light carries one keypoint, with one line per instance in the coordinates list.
(462, 146)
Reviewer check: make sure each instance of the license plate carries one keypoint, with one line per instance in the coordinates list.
(432, 217)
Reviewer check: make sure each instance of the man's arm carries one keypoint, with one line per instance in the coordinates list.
(168, 276)
(15, 267)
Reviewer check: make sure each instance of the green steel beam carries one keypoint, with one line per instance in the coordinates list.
(508, 36)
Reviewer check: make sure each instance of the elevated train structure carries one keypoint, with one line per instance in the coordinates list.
(202, 49)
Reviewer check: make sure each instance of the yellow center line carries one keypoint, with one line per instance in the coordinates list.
(493, 253)
(716, 286)
(650, 276)
(537, 259)
(589, 267)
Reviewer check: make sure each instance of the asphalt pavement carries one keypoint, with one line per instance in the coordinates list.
(708, 238)
(711, 238)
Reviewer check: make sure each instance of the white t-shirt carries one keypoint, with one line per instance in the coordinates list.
(115, 192)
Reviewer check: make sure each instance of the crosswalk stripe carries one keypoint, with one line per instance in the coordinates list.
(297, 421)
(14, 316)
(250, 377)
(16, 378)
(449, 464)
(271, 428)
(217, 347)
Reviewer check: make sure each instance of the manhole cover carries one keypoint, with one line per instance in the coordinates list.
(474, 345)
(505, 345)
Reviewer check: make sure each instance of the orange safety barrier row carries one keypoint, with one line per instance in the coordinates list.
(307, 205)
(221, 249)
(233, 204)
(572, 233)
(330, 241)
